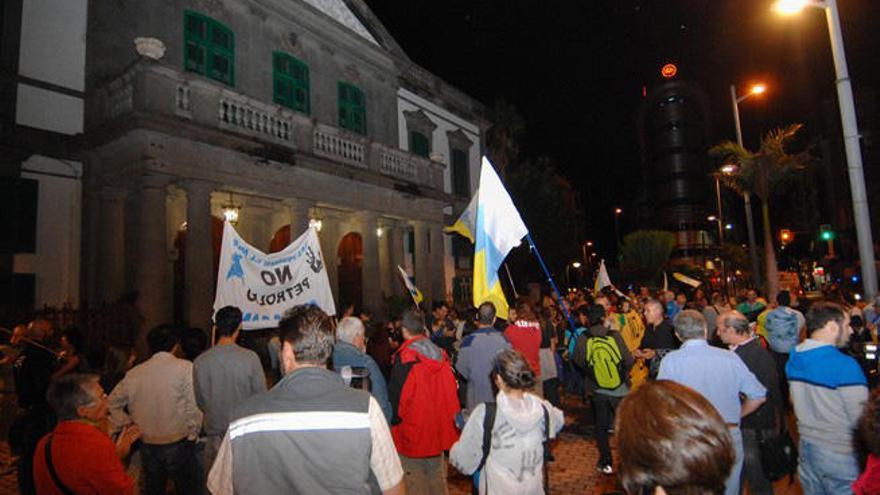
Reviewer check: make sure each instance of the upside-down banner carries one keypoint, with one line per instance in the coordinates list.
(264, 286)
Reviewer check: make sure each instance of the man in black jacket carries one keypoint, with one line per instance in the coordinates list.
(734, 330)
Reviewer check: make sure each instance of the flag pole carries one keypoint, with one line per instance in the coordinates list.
(550, 279)
(509, 278)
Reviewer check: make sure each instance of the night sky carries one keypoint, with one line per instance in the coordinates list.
(575, 71)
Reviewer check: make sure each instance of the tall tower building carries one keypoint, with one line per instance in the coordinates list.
(673, 129)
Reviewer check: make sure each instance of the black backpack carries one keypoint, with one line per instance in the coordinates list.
(489, 424)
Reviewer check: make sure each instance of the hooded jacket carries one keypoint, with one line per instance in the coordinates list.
(424, 399)
(515, 461)
(828, 390)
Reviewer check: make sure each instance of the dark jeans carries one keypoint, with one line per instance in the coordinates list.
(752, 470)
(603, 409)
(176, 461)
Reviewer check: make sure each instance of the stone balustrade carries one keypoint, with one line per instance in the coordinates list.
(158, 90)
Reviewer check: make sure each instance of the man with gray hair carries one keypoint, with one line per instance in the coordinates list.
(735, 332)
(718, 375)
(78, 457)
(350, 351)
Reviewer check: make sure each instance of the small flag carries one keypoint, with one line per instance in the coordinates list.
(499, 228)
(410, 287)
(602, 279)
(686, 280)
(466, 223)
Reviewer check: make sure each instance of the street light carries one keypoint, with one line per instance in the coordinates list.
(850, 126)
(756, 89)
(617, 213)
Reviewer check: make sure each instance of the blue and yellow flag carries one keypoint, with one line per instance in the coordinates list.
(414, 291)
(498, 229)
(466, 223)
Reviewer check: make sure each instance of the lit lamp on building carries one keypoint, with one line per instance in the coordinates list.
(379, 231)
(231, 211)
(316, 223)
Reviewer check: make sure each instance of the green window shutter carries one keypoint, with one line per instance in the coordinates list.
(209, 48)
(291, 82)
(352, 108)
(461, 181)
(419, 144)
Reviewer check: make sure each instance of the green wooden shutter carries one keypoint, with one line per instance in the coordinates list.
(291, 82)
(209, 48)
(419, 144)
(352, 108)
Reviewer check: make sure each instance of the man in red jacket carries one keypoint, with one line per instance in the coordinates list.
(423, 396)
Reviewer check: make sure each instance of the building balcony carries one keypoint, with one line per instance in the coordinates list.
(154, 95)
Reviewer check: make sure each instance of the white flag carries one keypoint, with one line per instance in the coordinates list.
(264, 286)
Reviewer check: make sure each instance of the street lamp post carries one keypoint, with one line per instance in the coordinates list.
(747, 197)
(617, 212)
(851, 144)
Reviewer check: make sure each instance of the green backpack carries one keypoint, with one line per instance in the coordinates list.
(605, 362)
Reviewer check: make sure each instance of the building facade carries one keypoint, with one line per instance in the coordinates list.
(284, 113)
(42, 93)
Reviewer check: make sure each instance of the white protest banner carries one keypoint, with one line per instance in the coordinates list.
(264, 285)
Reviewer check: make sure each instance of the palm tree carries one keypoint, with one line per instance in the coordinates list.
(763, 173)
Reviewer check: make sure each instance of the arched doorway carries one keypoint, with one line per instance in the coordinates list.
(280, 240)
(180, 265)
(351, 262)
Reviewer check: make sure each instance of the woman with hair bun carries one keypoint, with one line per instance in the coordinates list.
(671, 440)
(515, 459)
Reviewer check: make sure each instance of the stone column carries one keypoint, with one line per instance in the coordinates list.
(422, 263)
(438, 267)
(397, 233)
(370, 275)
(111, 262)
(151, 270)
(199, 254)
(329, 236)
(386, 269)
(299, 216)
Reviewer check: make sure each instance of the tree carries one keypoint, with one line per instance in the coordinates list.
(548, 206)
(644, 253)
(765, 172)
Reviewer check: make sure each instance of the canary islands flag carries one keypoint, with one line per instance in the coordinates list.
(466, 223)
(410, 287)
(498, 229)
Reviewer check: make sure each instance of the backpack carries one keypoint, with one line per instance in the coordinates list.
(488, 425)
(604, 362)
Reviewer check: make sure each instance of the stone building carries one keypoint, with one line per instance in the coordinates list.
(282, 113)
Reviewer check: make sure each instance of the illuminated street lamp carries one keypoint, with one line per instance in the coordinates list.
(756, 89)
(851, 144)
(617, 213)
(231, 210)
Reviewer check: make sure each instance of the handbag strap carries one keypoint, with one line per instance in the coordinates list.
(48, 452)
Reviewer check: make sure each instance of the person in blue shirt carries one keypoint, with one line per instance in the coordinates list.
(718, 375)
(350, 350)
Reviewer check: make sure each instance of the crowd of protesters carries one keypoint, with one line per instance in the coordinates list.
(692, 385)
